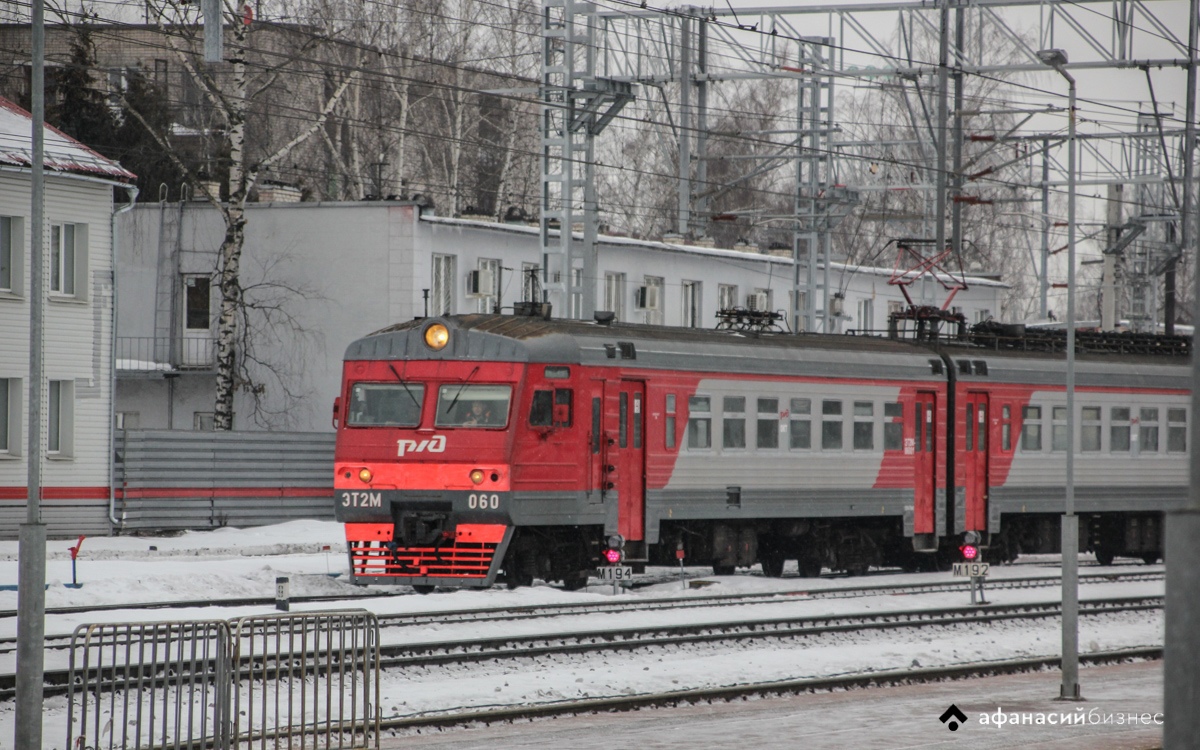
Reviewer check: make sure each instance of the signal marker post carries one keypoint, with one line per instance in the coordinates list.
(972, 567)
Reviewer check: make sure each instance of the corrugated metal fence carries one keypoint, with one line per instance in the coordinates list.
(197, 480)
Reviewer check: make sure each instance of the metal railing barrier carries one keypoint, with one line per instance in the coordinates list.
(289, 680)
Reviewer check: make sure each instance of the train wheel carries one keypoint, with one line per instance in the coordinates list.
(424, 589)
(809, 567)
(1104, 557)
(575, 582)
(1149, 558)
(724, 570)
(772, 564)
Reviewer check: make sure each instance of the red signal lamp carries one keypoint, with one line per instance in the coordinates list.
(612, 556)
(969, 551)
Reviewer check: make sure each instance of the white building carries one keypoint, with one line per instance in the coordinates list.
(343, 270)
(78, 326)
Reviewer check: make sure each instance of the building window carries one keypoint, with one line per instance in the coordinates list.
(12, 254)
(866, 314)
(1118, 430)
(699, 422)
(1090, 429)
(727, 296)
(204, 421)
(893, 426)
(1031, 429)
(127, 420)
(654, 317)
(1176, 430)
(10, 416)
(442, 302)
(831, 425)
(733, 422)
(982, 316)
(60, 418)
(63, 270)
(197, 303)
(799, 424)
(1148, 431)
(487, 302)
(576, 293)
(614, 294)
(768, 423)
(529, 282)
(691, 304)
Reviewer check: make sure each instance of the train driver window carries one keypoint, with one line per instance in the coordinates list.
(541, 411)
(893, 426)
(699, 429)
(466, 405)
(385, 404)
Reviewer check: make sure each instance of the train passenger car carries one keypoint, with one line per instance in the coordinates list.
(1130, 441)
(478, 448)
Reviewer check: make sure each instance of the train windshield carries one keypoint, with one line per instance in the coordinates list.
(385, 404)
(473, 405)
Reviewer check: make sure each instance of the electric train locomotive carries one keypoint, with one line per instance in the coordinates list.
(481, 448)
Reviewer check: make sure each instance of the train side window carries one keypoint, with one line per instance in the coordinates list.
(1119, 429)
(799, 425)
(831, 425)
(733, 422)
(670, 421)
(1148, 431)
(1176, 430)
(699, 422)
(893, 426)
(1058, 428)
(1090, 429)
(541, 411)
(564, 407)
(768, 423)
(637, 420)
(595, 425)
(864, 426)
(558, 373)
(929, 428)
(981, 430)
(623, 427)
(1031, 430)
(1006, 428)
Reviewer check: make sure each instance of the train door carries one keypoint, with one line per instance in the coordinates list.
(631, 459)
(925, 464)
(975, 460)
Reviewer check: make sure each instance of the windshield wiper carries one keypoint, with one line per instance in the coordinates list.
(460, 389)
(404, 385)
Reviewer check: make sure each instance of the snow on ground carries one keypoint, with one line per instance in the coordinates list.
(245, 562)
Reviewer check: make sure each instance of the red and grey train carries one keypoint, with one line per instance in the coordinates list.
(478, 448)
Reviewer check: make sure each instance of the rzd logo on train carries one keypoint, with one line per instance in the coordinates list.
(435, 444)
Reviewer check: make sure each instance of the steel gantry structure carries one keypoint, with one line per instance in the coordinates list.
(595, 58)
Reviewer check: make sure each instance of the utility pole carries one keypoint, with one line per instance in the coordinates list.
(1108, 282)
(31, 553)
(1181, 680)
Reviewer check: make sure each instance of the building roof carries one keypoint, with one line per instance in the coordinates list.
(63, 154)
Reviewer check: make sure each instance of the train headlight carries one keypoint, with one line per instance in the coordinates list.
(437, 336)
(365, 475)
(477, 476)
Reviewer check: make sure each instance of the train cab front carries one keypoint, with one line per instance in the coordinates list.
(422, 476)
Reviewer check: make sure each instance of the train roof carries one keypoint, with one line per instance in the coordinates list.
(527, 339)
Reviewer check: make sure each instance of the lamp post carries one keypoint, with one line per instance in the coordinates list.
(1057, 59)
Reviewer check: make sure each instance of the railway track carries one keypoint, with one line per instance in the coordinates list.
(883, 678)
(616, 605)
(595, 641)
